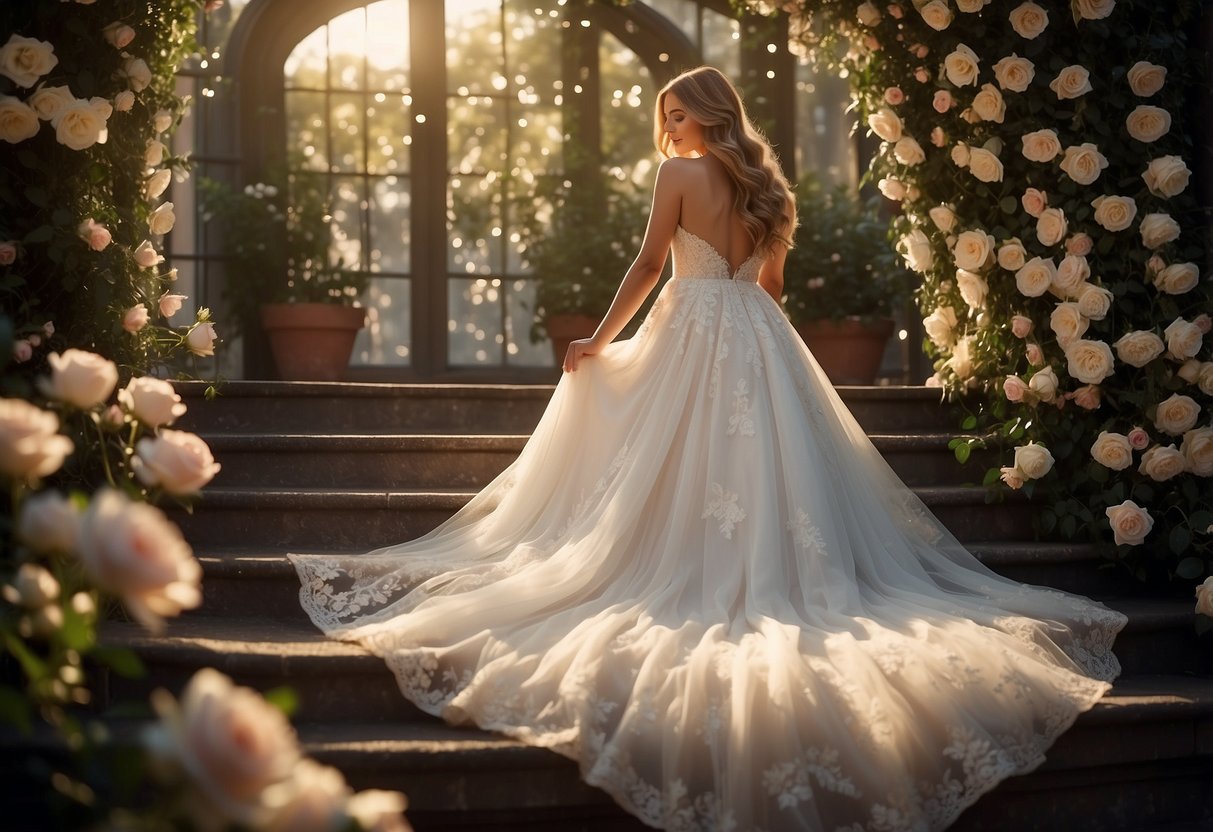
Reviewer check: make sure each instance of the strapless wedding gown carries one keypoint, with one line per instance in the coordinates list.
(703, 583)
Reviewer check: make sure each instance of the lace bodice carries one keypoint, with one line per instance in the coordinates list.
(696, 258)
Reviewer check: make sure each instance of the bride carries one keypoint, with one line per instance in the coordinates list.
(701, 581)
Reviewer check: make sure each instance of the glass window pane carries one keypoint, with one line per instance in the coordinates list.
(627, 95)
(386, 338)
(722, 43)
(476, 130)
(537, 139)
(474, 329)
(306, 65)
(346, 208)
(682, 13)
(387, 45)
(306, 135)
(346, 126)
(473, 47)
(532, 50)
(474, 225)
(388, 124)
(520, 315)
(347, 50)
(390, 225)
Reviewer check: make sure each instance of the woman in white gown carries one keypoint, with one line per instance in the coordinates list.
(701, 581)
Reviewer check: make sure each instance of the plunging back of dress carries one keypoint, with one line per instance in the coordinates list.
(702, 581)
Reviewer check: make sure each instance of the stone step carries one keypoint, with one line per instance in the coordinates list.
(340, 407)
(337, 681)
(237, 580)
(471, 461)
(364, 519)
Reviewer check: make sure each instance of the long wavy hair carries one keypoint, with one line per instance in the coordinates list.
(762, 197)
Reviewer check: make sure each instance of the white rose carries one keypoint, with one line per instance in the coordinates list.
(960, 66)
(1033, 460)
(886, 124)
(940, 326)
(1114, 213)
(961, 361)
(82, 124)
(989, 104)
(1067, 323)
(908, 151)
(915, 247)
(984, 165)
(936, 14)
(973, 288)
(83, 379)
(1146, 78)
(1204, 378)
(24, 60)
(1089, 361)
(1041, 145)
(1176, 414)
(33, 587)
(1011, 255)
(1112, 450)
(232, 743)
(154, 154)
(1051, 226)
(161, 220)
(18, 120)
(1158, 229)
(1084, 163)
(48, 101)
(1072, 82)
(1094, 9)
(1162, 462)
(137, 73)
(1178, 278)
(312, 798)
(118, 34)
(1036, 276)
(30, 444)
(123, 101)
(1189, 371)
(201, 339)
(868, 14)
(157, 183)
(1029, 20)
(1148, 124)
(48, 523)
(973, 250)
(177, 461)
(1167, 176)
(130, 549)
(1094, 302)
(1183, 338)
(152, 401)
(1014, 73)
(376, 810)
(1139, 348)
(1130, 523)
(162, 120)
(960, 154)
(146, 256)
(972, 6)
(1044, 384)
(1072, 272)
(944, 217)
(1197, 449)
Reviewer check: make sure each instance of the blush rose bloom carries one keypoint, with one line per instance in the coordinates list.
(1072, 82)
(1197, 448)
(1034, 202)
(886, 124)
(170, 304)
(23, 350)
(162, 120)
(1204, 596)
(961, 66)
(1079, 244)
(1161, 463)
(118, 34)
(1088, 397)
(1112, 450)
(961, 362)
(1036, 276)
(1146, 79)
(1012, 476)
(1138, 438)
(1158, 229)
(48, 523)
(201, 339)
(24, 60)
(1167, 176)
(1089, 361)
(1183, 338)
(1114, 213)
(95, 234)
(1014, 73)
(1148, 124)
(175, 460)
(1176, 414)
(30, 444)
(1021, 326)
(1011, 255)
(984, 165)
(1130, 523)
(942, 101)
(1035, 356)
(82, 124)
(8, 252)
(1051, 226)
(18, 120)
(1041, 145)
(868, 14)
(1029, 20)
(146, 256)
(1083, 163)
(79, 378)
(135, 318)
(989, 104)
(152, 401)
(1178, 278)
(1139, 348)
(1015, 388)
(1033, 460)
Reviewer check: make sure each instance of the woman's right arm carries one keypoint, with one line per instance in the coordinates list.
(770, 276)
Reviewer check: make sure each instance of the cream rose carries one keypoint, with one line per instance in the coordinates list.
(1015, 388)
(18, 120)
(146, 256)
(1162, 462)
(1029, 20)
(1166, 176)
(1094, 302)
(1114, 213)
(1204, 379)
(1178, 278)
(1051, 226)
(1044, 384)
(118, 34)
(1176, 414)
(1021, 326)
(868, 14)
(175, 460)
(973, 250)
(1145, 78)
(940, 326)
(162, 120)
(1072, 82)
(1112, 450)
(984, 165)
(1189, 371)
(989, 104)
(157, 183)
(135, 318)
(1094, 9)
(1041, 145)
(1183, 338)
(1034, 202)
(1072, 273)
(152, 401)
(1014, 73)
(161, 220)
(48, 101)
(1080, 244)
(49, 523)
(1139, 348)
(1148, 124)
(24, 60)
(137, 73)
(936, 14)
(973, 288)
(1089, 361)
(82, 124)
(1130, 523)
(892, 189)
(942, 101)
(154, 154)
(944, 217)
(1197, 448)
(961, 361)
(123, 101)
(1033, 460)
(1083, 163)
(1158, 229)
(170, 304)
(1067, 323)
(79, 378)
(1011, 255)
(1035, 277)
(960, 154)
(30, 444)
(915, 247)
(96, 235)
(908, 151)
(201, 339)
(960, 66)
(886, 124)
(1088, 397)
(1012, 476)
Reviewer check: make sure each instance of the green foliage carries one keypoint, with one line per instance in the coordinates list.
(842, 265)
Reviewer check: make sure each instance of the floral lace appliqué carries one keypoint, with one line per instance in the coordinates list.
(723, 506)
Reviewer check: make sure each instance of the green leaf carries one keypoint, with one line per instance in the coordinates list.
(1008, 204)
(962, 453)
(992, 476)
(37, 196)
(969, 423)
(284, 699)
(121, 660)
(77, 632)
(1200, 520)
(41, 234)
(33, 666)
(1069, 525)
(1179, 540)
(1190, 568)
(29, 158)
(15, 709)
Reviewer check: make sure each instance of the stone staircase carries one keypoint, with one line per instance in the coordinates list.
(315, 467)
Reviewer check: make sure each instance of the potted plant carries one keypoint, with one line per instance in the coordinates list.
(843, 281)
(279, 275)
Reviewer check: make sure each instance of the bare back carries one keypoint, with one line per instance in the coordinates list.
(707, 209)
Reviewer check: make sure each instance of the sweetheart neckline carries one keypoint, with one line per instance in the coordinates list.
(716, 251)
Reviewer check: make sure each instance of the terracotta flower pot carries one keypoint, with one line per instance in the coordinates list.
(311, 341)
(564, 329)
(849, 350)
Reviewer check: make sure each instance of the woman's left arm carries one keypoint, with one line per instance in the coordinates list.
(770, 276)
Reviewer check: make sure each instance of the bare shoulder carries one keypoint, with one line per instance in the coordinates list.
(679, 171)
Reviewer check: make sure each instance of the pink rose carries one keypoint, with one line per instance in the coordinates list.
(1014, 388)
(48, 329)
(118, 34)
(1139, 439)
(871, 43)
(1079, 244)
(895, 10)
(1035, 356)
(894, 95)
(8, 252)
(35, 340)
(1012, 476)
(920, 51)
(1034, 201)
(937, 137)
(95, 234)
(1203, 322)
(1155, 265)
(921, 75)
(135, 318)
(170, 304)
(943, 101)
(1021, 326)
(23, 351)
(1087, 397)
